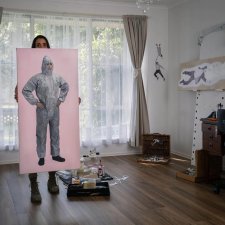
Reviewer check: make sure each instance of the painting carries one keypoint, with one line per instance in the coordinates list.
(207, 74)
(48, 109)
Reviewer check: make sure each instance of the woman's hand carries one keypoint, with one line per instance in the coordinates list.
(58, 103)
(40, 105)
(16, 93)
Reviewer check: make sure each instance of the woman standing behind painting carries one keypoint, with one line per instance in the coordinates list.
(40, 41)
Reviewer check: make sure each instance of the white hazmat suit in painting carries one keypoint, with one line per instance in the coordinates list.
(51, 90)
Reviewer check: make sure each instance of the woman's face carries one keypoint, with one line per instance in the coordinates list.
(41, 43)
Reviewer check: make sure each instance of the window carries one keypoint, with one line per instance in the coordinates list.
(105, 72)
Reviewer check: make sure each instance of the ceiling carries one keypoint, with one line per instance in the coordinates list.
(166, 3)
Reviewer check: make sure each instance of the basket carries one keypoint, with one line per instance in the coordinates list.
(156, 145)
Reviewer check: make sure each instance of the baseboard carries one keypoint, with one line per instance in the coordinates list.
(9, 162)
(115, 150)
(121, 153)
(12, 160)
(181, 155)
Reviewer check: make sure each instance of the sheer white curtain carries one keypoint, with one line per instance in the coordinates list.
(104, 72)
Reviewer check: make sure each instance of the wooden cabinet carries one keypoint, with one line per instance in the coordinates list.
(213, 141)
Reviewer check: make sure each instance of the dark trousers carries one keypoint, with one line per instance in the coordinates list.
(33, 176)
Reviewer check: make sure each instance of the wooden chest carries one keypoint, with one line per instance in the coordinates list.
(156, 145)
(213, 141)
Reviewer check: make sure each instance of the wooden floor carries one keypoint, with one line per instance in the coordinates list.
(151, 195)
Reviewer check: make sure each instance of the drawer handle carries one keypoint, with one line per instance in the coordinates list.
(209, 128)
(211, 137)
(210, 145)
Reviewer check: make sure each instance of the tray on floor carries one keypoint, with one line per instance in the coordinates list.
(102, 189)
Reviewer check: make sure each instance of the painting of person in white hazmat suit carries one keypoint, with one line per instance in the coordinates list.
(51, 90)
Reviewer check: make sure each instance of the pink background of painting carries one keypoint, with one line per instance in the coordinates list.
(65, 62)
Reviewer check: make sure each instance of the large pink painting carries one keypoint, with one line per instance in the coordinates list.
(48, 102)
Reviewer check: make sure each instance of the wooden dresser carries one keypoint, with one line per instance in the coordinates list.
(213, 141)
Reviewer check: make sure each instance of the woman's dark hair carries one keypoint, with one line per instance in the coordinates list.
(37, 37)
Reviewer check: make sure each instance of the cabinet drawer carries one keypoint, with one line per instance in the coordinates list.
(210, 129)
(212, 144)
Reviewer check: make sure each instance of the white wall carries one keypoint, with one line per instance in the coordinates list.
(186, 22)
(157, 33)
(157, 90)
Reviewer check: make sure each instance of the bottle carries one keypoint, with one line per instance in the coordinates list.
(97, 158)
(100, 169)
(94, 157)
(86, 160)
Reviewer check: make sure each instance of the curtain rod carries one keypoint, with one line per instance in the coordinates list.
(44, 13)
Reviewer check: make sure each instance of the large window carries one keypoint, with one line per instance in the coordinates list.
(105, 72)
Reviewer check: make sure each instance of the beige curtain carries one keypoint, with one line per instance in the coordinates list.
(136, 33)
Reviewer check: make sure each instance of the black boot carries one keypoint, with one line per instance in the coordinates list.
(53, 188)
(35, 194)
(58, 158)
(41, 161)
